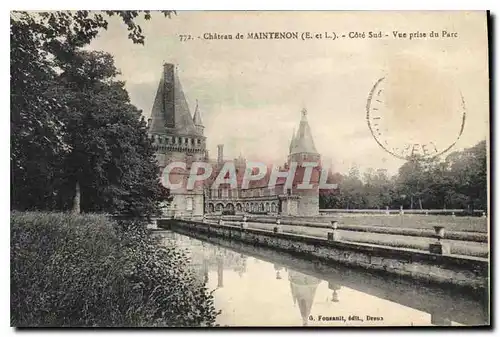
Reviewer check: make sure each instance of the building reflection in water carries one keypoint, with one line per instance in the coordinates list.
(334, 287)
(278, 269)
(439, 319)
(206, 257)
(220, 272)
(303, 289)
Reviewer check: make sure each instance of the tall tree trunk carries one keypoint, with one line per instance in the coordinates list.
(420, 202)
(76, 199)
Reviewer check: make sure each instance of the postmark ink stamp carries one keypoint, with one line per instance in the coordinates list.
(408, 137)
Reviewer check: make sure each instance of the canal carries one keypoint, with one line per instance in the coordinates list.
(261, 287)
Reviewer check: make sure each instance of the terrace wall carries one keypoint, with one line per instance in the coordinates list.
(469, 272)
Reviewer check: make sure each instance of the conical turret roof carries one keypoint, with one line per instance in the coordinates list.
(170, 112)
(197, 116)
(303, 290)
(303, 142)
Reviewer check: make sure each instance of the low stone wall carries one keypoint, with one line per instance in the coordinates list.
(417, 232)
(462, 271)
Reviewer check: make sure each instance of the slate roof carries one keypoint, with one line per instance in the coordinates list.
(303, 141)
(170, 113)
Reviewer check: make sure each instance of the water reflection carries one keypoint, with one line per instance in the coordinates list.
(303, 288)
(275, 290)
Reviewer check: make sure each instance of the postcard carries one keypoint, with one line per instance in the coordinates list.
(250, 169)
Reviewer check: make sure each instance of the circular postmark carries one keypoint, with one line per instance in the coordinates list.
(421, 122)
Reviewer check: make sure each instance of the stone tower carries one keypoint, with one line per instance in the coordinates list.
(302, 150)
(178, 136)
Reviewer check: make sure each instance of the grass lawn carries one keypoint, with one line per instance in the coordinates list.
(465, 223)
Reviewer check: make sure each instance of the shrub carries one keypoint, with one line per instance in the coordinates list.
(88, 271)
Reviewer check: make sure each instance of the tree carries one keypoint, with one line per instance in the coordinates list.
(459, 181)
(111, 160)
(51, 83)
(36, 144)
(411, 181)
(468, 173)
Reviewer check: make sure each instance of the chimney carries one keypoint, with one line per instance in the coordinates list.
(168, 72)
(220, 153)
(168, 95)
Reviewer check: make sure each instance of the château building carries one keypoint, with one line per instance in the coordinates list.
(178, 135)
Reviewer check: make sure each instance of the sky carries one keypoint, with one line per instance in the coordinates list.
(251, 92)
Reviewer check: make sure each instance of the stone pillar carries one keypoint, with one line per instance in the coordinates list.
(244, 224)
(277, 227)
(439, 247)
(174, 211)
(334, 235)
